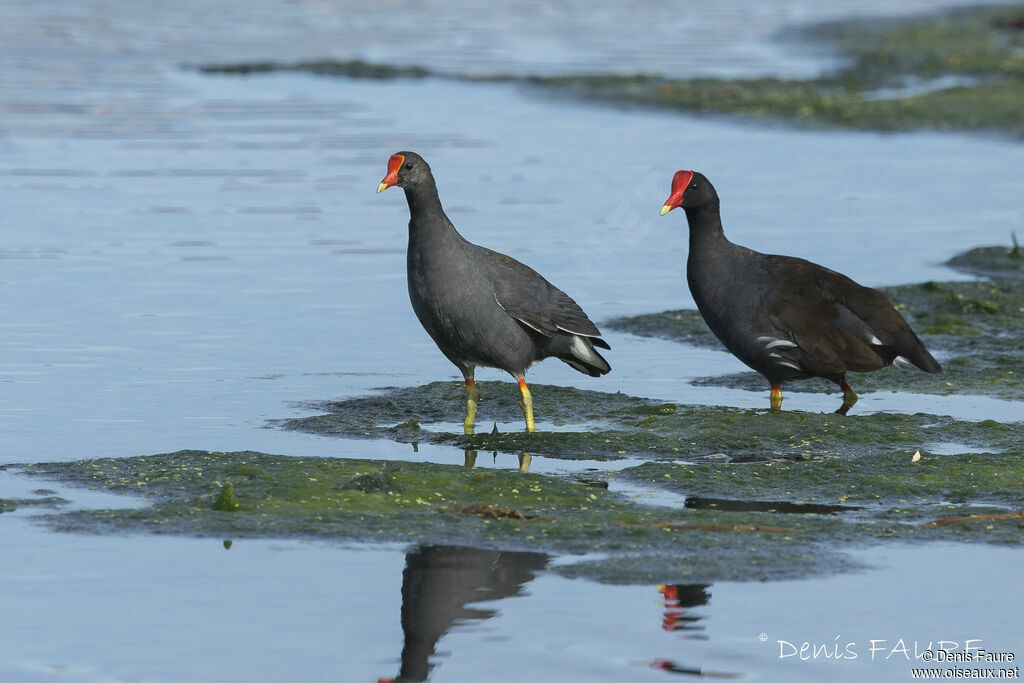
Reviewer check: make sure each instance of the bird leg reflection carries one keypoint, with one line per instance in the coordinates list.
(524, 461)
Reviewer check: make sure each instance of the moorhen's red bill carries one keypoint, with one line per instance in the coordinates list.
(480, 307)
(786, 317)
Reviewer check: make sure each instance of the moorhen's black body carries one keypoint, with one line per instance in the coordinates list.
(480, 307)
(786, 317)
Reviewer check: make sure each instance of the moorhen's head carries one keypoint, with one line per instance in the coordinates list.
(689, 190)
(405, 169)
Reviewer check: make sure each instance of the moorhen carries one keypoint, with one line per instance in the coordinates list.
(480, 307)
(786, 317)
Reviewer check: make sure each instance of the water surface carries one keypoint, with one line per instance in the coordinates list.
(184, 257)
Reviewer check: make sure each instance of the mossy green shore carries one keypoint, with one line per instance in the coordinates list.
(884, 496)
(956, 70)
(767, 494)
(613, 426)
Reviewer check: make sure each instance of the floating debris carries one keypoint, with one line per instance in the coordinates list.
(374, 482)
(973, 518)
(714, 527)
(490, 511)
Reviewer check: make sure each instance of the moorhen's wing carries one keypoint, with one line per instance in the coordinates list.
(526, 296)
(868, 314)
(811, 304)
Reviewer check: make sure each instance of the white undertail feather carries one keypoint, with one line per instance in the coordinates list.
(900, 361)
(585, 352)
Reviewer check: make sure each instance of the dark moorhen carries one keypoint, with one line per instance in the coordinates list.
(480, 307)
(786, 317)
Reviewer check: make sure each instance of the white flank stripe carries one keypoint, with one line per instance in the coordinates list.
(784, 343)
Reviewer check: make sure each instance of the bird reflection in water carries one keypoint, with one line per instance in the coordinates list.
(671, 667)
(437, 585)
(524, 459)
(678, 599)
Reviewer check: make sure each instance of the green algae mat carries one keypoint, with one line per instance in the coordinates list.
(738, 527)
(956, 70)
(616, 426)
(756, 495)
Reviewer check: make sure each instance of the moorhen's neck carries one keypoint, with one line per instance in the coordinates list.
(423, 199)
(705, 223)
(428, 223)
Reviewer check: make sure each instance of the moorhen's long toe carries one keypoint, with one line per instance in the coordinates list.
(786, 317)
(480, 307)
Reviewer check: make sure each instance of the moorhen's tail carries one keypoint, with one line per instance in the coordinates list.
(869, 315)
(580, 354)
(915, 352)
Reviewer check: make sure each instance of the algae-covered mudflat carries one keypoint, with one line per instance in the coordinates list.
(777, 517)
(958, 70)
(766, 494)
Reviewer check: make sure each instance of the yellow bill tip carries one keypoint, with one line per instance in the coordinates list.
(382, 187)
(665, 209)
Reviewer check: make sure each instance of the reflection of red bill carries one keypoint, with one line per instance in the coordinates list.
(394, 163)
(670, 592)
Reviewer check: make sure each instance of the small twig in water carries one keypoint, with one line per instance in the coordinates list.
(946, 521)
(715, 527)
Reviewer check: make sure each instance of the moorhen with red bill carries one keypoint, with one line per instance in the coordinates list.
(786, 317)
(480, 307)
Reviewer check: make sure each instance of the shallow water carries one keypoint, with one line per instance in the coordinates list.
(166, 317)
(274, 610)
(184, 257)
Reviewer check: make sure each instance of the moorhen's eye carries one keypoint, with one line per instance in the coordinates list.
(408, 166)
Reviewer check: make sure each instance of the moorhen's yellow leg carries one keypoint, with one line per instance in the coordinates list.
(470, 458)
(472, 398)
(526, 404)
(849, 398)
(524, 461)
(775, 397)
